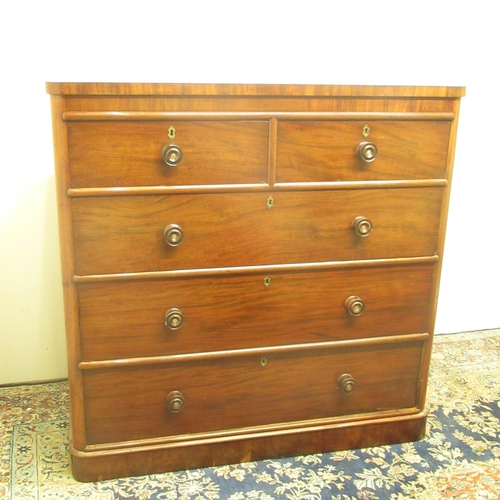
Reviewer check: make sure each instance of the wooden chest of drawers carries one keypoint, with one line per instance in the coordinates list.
(250, 271)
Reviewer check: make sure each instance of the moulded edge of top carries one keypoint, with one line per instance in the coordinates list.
(257, 90)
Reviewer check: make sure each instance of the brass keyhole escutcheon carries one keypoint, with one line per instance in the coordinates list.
(366, 131)
(263, 362)
(270, 202)
(267, 281)
(171, 132)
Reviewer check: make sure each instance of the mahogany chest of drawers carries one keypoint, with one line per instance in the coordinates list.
(249, 271)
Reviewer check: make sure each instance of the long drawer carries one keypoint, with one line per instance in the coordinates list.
(106, 154)
(149, 318)
(130, 234)
(309, 151)
(249, 390)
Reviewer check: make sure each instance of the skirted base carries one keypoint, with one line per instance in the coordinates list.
(142, 459)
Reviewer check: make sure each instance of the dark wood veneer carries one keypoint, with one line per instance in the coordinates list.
(235, 229)
(272, 358)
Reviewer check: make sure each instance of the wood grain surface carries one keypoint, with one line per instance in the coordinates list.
(264, 199)
(125, 234)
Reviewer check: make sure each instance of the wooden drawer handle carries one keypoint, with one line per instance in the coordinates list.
(176, 401)
(354, 305)
(174, 318)
(346, 383)
(172, 155)
(362, 226)
(173, 235)
(367, 151)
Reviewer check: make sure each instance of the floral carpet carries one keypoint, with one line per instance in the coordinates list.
(459, 458)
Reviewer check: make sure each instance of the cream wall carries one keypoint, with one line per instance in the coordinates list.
(427, 43)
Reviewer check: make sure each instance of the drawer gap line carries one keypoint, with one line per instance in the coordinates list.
(255, 351)
(229, 271)
(269, 186)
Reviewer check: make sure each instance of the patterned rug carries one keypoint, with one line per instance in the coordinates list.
(459, 458)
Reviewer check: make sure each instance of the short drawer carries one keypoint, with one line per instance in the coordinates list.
(248, 390)
(123, 154)
(325, 151)
(129, 234)
(162, 317)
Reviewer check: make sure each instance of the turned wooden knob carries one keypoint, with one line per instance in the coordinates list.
(354, 305)
(346, 383)
(173, 235)
(367, 151)
(172, 155)
(362, 226)
(174, 318)
(176, 401)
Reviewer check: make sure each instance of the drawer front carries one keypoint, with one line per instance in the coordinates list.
(107, 154)
(126, 234)
(326, 150)
(148, 318)
(249, 390)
